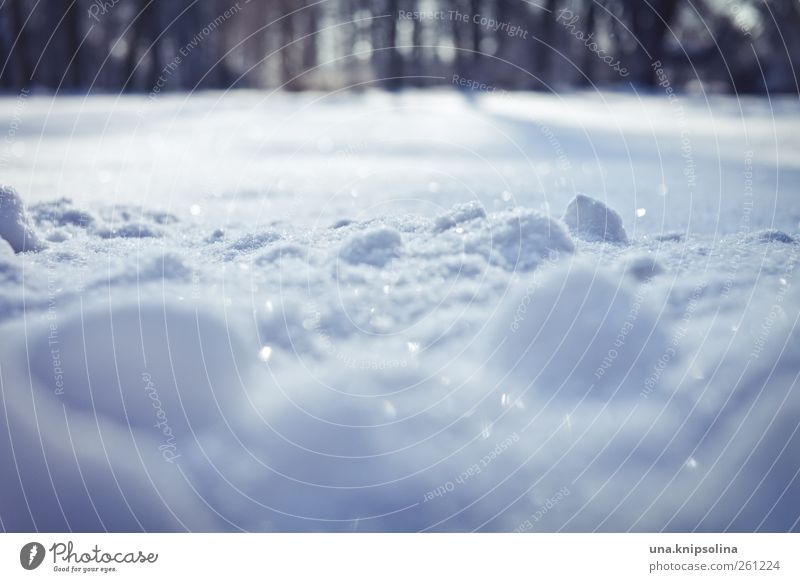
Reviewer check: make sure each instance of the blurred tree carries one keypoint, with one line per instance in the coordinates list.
(19, 68)
(143, 65)
(741, 45)
(73, 45)
(14, 64)
(546, 47)
(649, 20)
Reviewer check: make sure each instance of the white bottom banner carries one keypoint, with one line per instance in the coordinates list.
(372, 557)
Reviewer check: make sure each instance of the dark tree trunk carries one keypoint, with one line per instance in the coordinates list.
(650, 27)
(145, 28)
(395, 72)
(589, 58)
(546, 49)
(23, 71)
(74, 52)
(476, 37)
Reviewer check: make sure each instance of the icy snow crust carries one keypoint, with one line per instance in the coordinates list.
(364, 314)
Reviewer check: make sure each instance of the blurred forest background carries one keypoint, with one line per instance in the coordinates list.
(747, 46)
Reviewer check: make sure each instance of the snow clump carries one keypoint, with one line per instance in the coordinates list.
(770, 235)
(15, 225)
(520, 239)
(460, 213)
(593, 221)
(374, 247)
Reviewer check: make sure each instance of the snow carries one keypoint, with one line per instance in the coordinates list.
(771, 235)
(15, 227)
(6, 252)
(374, 247)
(253, 242)
(230, 329)
(579, 335)
(182, 376)
(643, 267)
(592, 220)
(519, 239)
(459, 214)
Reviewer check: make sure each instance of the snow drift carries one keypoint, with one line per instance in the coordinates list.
(250, 337)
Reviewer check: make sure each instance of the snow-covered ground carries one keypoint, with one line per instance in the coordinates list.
(377, 312)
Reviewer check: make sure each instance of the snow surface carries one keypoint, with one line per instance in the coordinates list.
(361, 312)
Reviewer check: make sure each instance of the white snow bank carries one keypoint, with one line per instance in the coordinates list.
(15, 225)
(489, 375)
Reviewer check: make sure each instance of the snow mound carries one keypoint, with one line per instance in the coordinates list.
(217, 236)
(107, 415)
(61, 213)
(164, 267)
(282, 251)
(580, 333)
(254, 241)
(15, 225)
(161, 217)
(643, 267)
(593, 221)
(460, 213)
(770, 235)
(376, 247)
(291, 325)
(520, 239)
(139, 362)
